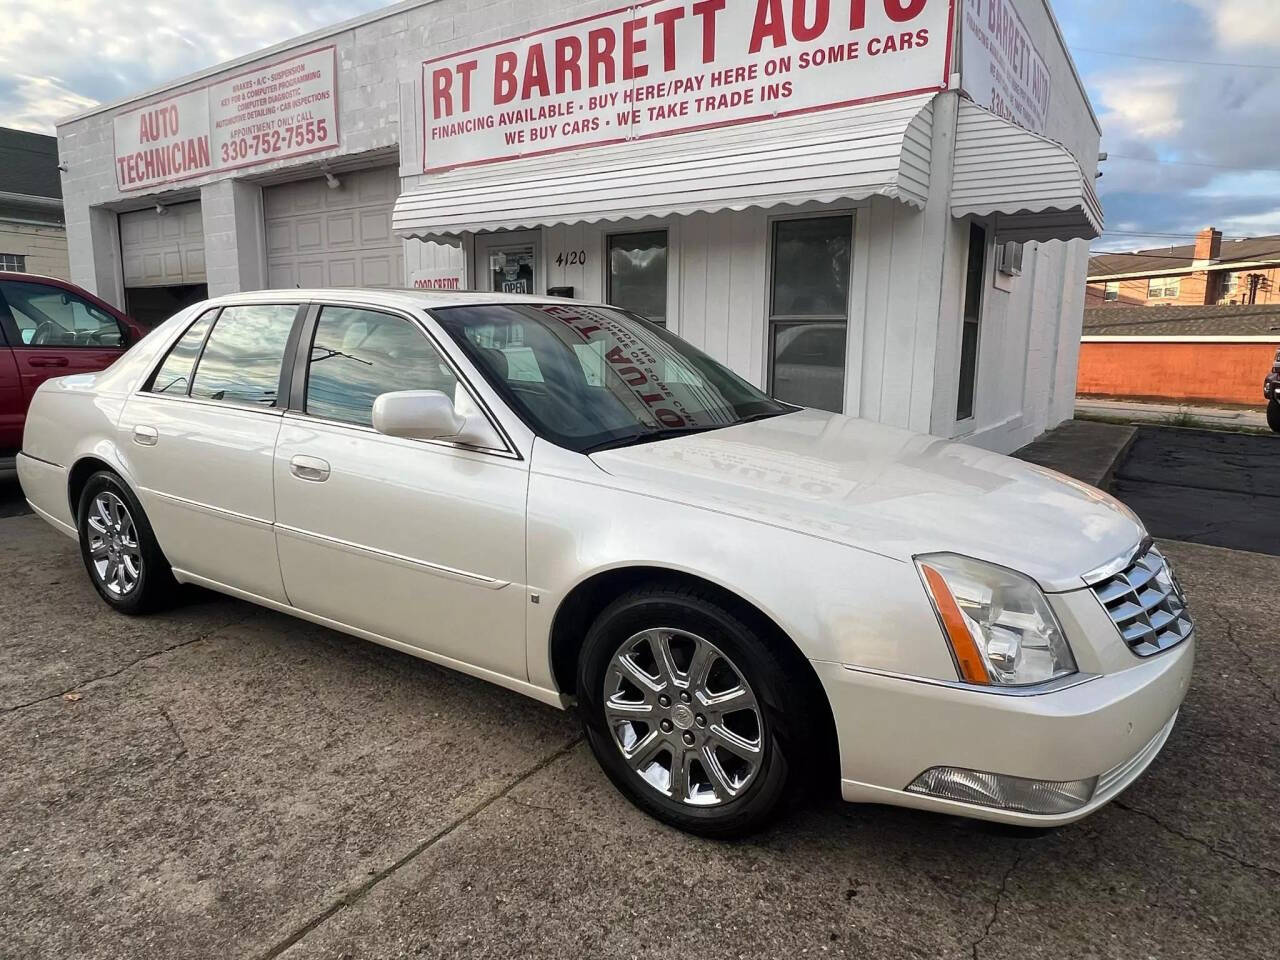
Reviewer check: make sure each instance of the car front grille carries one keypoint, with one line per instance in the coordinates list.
(1146, 604)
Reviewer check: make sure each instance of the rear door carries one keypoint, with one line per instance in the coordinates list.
(200, 438)
(54, 332)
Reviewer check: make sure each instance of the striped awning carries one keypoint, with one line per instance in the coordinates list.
(847, 154)
(1033, 185)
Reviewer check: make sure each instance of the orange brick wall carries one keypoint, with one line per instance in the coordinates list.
(1157, 369)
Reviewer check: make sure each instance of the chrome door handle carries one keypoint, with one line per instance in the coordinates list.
(309, 468)
(147, 436)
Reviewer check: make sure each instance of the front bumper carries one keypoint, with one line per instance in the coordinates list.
(891, 729)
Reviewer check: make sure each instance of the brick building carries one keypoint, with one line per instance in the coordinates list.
(1207, 272)
(33, 238)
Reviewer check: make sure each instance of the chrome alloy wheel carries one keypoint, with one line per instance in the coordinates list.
(113, 544)
(683, 717)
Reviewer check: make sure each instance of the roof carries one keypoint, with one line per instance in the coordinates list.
(29, 164)
(404, 298)
(1230, 320)
(1158, 259)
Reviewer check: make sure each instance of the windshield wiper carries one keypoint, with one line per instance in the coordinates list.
(666, 433)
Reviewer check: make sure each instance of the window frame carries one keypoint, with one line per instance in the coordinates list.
(20, 260)
(772, 321)
(286, 363)
(1165, 282)
(667, 230)
(1111, 291)
(295, 407)
(975, 228)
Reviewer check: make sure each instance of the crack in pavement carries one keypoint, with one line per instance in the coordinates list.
(173, 728)
(352, 897)
(1250, 664)
(128, 666)
(1190, 838)
(995, 903)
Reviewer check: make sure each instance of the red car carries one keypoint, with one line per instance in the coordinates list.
(50, 328)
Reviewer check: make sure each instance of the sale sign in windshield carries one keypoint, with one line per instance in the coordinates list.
(284, 109)
(672, 66)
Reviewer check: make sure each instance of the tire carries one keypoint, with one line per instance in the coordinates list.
(724, 791)
(1273, 415)
(120, 552)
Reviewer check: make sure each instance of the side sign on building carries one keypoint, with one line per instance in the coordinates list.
(1003, 70)
(284, 109)
(672, 66)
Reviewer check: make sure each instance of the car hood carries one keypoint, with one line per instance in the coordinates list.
(888, 490)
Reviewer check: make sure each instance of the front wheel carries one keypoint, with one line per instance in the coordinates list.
(1273, 415)
(120, 552)
(698, 719)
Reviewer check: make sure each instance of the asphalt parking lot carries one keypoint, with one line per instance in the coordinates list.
(1205, 486)
(223, 781)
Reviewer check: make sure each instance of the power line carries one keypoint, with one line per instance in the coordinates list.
(1199, 63)
(1190, 163)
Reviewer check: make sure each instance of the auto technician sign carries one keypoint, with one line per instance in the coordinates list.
(284, 109)
(672, 66)
(1003, 70)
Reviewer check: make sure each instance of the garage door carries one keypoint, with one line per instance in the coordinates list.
(318, 236)
(163, 250)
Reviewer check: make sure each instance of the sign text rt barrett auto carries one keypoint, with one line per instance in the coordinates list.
(671, 66)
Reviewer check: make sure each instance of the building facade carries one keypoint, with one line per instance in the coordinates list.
(33, 238)
(1206, 273)
(876, 206)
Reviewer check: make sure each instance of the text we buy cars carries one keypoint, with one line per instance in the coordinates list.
(675, 65)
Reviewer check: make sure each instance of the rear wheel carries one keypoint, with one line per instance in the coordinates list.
(693, 715)
(119, 550)
(1273, 415)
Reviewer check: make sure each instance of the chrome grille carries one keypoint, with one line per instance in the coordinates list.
(1146, 604)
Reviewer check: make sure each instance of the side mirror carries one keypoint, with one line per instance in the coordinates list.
(430, 415)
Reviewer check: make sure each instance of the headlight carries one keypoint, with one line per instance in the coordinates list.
(998, 622)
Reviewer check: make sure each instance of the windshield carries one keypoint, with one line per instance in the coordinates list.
(586, 378)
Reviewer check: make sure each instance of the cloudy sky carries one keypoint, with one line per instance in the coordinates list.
(1188, 91)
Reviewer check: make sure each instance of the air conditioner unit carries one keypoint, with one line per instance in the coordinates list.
(1009, 261)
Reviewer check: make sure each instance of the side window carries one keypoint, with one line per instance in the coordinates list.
(174, 375)
(242, 357)
(48, 316)
(358, 354)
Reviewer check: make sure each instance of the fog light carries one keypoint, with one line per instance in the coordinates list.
(1006, 793)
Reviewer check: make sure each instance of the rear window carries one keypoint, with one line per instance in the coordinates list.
(174, 375)
(243, 355)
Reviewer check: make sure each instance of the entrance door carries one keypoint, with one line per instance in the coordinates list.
(510, 263)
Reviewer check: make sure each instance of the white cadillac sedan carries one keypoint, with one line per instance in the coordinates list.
(745, 600)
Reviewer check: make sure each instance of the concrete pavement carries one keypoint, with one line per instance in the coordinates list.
(1220, 418)
(222, 781)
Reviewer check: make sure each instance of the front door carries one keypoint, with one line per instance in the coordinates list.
(54, 333)
(199, 442)
(419, 542)
(509, 263)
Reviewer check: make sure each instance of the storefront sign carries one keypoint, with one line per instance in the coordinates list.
(673, 66)
(437, 278)
(285, 109)
(1003, 70)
